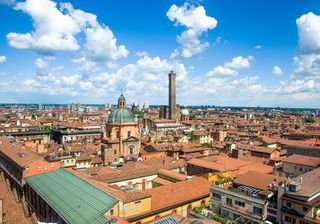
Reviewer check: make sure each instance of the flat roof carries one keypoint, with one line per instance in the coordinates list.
(74, 199)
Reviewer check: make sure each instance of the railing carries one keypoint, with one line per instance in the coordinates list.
(236, 193)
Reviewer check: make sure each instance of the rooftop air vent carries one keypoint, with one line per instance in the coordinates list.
(295, 186)
(128, 188)
(21, 154)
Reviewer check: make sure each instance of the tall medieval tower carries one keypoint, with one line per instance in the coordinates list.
(172, 96)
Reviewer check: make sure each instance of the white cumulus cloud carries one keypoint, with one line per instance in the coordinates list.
(48, 35)
(296, 86)
(232, 67)
(197, 23)
(309, 33)
(257, 47)
(276, 70)
(3, 59)
(102, 44)
(56, 28)
(307, 60)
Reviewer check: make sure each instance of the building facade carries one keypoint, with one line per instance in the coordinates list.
(121, 139)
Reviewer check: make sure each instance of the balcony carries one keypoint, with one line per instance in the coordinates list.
(243, 213)
(235, 192)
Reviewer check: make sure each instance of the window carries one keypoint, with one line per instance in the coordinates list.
(257, 210)
(115, 152)
(45, 167)
(52, 165)
(27, 169)
(39, 168)
(293, 221)
(216, 196)
(129, 134)
(305, 209)
(287, 218)
(131, 149)
(290, 219)
(118, 134)
(300, 169)
(295, 167)
(303, 222)
(239, 203)
(272, 211)
(111, 212)
(229, 201)
(225, 213)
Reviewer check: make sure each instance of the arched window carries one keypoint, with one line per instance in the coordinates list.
(131, 151)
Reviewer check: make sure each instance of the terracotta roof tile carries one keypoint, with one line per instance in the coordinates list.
(303, 160)
(172, 174)
(258, 180)
(16, 152)
(178, 192)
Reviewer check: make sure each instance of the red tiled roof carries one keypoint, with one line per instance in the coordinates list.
(178, 192)
(172, 174)
(211, 165)
(303, 160)
(20, 155)
(161, 181)
(258, 180)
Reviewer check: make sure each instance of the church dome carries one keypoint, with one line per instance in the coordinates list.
(121, 115)
(184, 112)
(121, 97)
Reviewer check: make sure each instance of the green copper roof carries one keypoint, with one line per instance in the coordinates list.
(74, 199)
(121, 97)
(121, 115)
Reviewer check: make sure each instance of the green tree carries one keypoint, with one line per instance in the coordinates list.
(310, 120)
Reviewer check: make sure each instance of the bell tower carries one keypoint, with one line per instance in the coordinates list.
(121, 101)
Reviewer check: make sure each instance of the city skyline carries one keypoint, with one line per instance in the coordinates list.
(244, 55)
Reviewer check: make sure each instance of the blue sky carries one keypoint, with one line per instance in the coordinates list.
(240, 53)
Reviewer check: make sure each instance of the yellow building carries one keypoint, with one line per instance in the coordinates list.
(141, 206)
(201, 137)
(97, 201)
